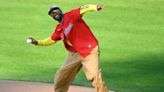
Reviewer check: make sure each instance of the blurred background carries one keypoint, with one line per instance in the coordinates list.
(130, 34)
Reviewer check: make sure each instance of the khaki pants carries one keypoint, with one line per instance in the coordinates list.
(73, 63)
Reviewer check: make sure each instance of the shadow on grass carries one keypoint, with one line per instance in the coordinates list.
(141, 74)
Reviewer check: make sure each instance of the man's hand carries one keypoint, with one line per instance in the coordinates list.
(99, 7)
(32, 41)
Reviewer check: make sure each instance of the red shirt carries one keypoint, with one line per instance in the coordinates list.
(74, 29)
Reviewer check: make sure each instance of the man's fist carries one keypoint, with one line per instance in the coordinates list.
(32, 41)
(99, 7)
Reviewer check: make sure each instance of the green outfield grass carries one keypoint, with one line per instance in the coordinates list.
(130, 33)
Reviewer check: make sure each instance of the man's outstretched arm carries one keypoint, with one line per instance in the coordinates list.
(90, 7)
(45, 42)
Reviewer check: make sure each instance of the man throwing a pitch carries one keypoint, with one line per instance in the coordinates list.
(81, 44)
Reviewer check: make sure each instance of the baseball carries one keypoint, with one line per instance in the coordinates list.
(29, 40)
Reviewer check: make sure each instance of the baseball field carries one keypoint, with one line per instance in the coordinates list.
(130, 34)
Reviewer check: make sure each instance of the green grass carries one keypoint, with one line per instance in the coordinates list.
(130, 33)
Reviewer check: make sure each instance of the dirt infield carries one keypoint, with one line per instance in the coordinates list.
(19, 86)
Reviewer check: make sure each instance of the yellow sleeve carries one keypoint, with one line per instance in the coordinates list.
(46, 42)
(86, 8)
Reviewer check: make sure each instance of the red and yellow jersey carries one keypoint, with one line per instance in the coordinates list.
(73, 31)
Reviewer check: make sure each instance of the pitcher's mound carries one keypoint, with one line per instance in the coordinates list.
(19, 86)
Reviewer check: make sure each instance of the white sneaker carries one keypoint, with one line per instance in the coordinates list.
(111, 91)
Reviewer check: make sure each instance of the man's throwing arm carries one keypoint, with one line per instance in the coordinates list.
(45, 42)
